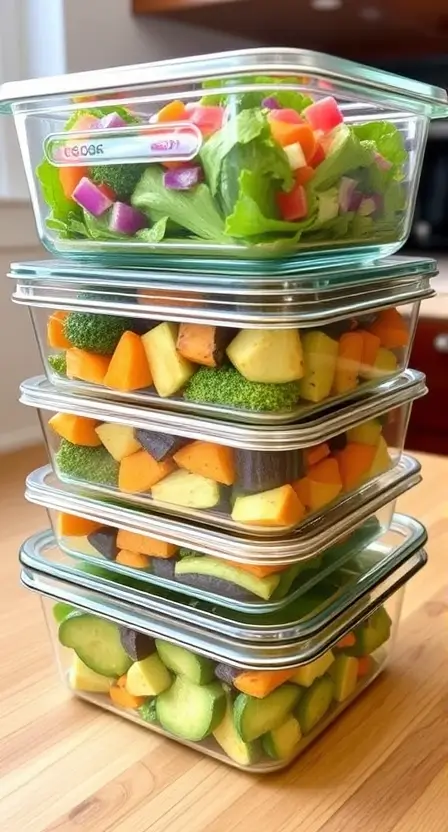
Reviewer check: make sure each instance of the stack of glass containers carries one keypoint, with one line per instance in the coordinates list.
(226, 340)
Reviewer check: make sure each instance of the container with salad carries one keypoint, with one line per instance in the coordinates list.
(260, 354)
(247, 695)
(264, 480)
(239, 156)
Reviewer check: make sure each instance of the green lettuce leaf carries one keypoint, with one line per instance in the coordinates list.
(248, 100)
(345, 156)
(154, 234)
(255, 210)
(99, 112)
(61, 207)
(194, 210)
(386, 138)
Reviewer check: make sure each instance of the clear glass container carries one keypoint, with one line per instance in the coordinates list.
(256, 705)
(262, 480)
(253, 355)
(216, 567)
(252, 154)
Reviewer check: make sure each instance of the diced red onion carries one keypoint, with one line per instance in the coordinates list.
(355, 201)
(382, 163)
(346, 189)
(182, 179)
(125, 219)
(90, 197)
(271, 103)
(111, 120)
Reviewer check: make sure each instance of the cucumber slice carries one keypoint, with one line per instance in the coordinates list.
(81, 677)
(371, 634)
(148, 712)
(219, 570)
(255, 717)
(185, 663)
(61, 611)
(243, 753)
(191, 712)
(315, 703)
(148, 677)
(283, 742)
(308, 673)
(96, 642)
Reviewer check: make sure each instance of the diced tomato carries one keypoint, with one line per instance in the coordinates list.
(303, 175)
(324, 114)
(294, 205)
(107, 192)
(208, 119)
(85, 122)
(287, 115)
(318, 157)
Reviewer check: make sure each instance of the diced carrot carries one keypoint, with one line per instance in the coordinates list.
(128, 368)
(74, 526)
(391, 329)
(278, 507)
(121, 697)
(365, 664)
(370, 346)
(304, 175)
(307, 141)
(55, 331)
(141, 544)
(258, 570)
(208, 459)
(261, 683)
(349, 640)
(86, 366)
(285, 133)
(355, 462)
(121, 682)
(173, 111)
(133, 559)
(348, 362)
(79, 430)
(302, 488)
(325, 483)
(70, 178)
(140, 471)
(316, 453)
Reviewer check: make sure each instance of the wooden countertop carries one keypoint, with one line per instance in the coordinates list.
(382, 767)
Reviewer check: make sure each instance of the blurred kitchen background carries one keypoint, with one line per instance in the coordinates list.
(48, 37)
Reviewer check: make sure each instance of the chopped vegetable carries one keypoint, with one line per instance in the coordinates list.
(92, 198)
(94, 332)
(209, 460)
(134, 559)
(86, 366)
(71, 525)
(55, 331)
(260, 683)
(226, 386)
(134, 542)
(140, 471)
(76, 429)
(391, 328)
(173, 111)
(91, 464)
(355, 462)
(324, 114)
(202, 344)
(182, 179)
(125, 219)
(122, 179)
(277, 507)
(293, 205)
(128, 368)
(58, 363)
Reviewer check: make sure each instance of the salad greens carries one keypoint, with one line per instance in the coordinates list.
(250, 183)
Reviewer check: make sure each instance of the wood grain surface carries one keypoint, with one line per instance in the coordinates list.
(65, 765)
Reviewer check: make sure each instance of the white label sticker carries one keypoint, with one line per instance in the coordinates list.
(124, 145)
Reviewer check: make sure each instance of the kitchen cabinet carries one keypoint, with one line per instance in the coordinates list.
(359, 29)
(428, 430)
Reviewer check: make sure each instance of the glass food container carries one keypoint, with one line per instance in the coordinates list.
(245, 155)
(254, 354)
(221, 568)
(262, 480)
(254, 704)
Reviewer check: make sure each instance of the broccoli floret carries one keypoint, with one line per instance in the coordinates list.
(58, 363)
(95, 333)
(226, 386)
(85, 463)
(122, 179)
(148, 711)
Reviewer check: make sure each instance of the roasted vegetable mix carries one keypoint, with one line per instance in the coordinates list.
(262, 370)
(253, 716)
(282, 170)
(255, 488)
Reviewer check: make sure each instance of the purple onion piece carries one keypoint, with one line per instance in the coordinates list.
(125, 219)
(90, 197)
(355, 201)
(271, 103)
(382, 163)
(111, 120)
(347, 188)
(182, 179)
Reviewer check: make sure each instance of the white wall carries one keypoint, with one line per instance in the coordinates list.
(98, 33)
